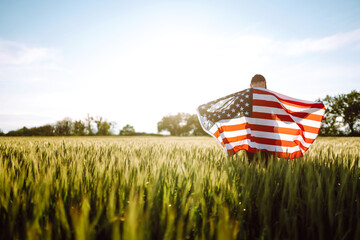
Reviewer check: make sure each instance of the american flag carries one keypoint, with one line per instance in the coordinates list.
(257, 119)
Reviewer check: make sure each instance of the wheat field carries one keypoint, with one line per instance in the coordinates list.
(174, 188)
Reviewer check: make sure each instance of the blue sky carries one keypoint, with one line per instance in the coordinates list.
(133, 62)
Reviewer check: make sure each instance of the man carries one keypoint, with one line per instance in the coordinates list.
(261, 121)
(258, 81)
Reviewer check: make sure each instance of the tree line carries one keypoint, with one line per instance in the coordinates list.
(342, 115)
(91, 126)
(181, 124)
(341, 118)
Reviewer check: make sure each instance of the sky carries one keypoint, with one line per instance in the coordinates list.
(133, 62)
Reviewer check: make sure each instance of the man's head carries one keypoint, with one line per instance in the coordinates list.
(258, 81)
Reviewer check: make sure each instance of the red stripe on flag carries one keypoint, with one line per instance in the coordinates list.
(254, 150)
(264, 103)
(230, 128)
(267, 141)
(274, 129)
(236, 139)
(292, 102)
(272, 116)
(307, 116)
(309, 129)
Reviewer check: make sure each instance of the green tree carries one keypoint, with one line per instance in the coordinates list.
(46, 130)
(79, 128)
(181, 124)
(194, 126)
(330, 125)
(88, 126)
(103, 127)
(127, 130)
(21, 132)
(175, 124)
(64, 127)
(342, 111)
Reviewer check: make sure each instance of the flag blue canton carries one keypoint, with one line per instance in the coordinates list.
(235, 105)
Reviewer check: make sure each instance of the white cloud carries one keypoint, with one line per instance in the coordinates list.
(14, 53)
(22, 63)
(325, 44)
(254, 46)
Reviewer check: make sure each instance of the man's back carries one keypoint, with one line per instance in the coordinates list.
(258, 81)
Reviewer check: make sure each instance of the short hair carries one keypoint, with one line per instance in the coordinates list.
(258, 78)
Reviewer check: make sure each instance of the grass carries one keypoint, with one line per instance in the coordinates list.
(174, 188)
